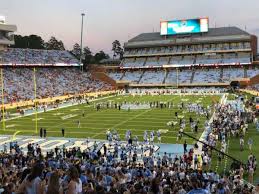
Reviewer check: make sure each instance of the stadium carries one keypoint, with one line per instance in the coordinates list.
(177, 114)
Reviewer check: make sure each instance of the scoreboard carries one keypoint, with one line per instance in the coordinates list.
(184, 26)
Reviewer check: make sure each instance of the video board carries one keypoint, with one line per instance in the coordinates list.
(184, 26)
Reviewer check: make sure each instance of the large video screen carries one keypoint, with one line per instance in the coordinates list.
(184, 26)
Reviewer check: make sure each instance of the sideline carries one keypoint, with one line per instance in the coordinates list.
(51, 109)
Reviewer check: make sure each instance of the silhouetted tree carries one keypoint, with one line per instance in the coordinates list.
(87, 55)
(31, 41)
(117, 49)
(76, 51)
(54, 44)
(100, 56)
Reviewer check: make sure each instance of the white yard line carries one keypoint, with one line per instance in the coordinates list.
(122, 122)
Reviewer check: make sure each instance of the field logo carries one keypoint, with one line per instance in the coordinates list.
(170, 123)
(135, 106)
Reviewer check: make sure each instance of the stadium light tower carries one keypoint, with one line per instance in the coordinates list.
(81, 45)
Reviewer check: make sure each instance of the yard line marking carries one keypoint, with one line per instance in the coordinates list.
(75, 109)
(38, 119)
(226, 158)
(122, 122)
(68, 116)
(10, 126)
(118, 124)
(59, 113)
(72, 121)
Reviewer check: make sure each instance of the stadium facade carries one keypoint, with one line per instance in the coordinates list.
(215, 57)
(6, 33)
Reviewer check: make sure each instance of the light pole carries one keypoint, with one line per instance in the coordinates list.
(81, 45)
(2, 88)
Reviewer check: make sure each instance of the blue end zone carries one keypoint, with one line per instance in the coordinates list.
(50, 143)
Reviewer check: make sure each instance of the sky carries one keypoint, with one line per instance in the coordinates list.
(108, 20)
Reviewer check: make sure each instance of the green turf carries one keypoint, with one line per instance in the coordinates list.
(95, 123)
(234, 151)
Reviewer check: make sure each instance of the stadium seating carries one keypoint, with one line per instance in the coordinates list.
(232, 73)
(184, 76)
(206, 76)
(152, 61)
(163, 61)
(34, 56)
(128, 62)
(152, 77)
(115, 75)
(189, 48)
(56, 81)
(251, 72)
(132, 62)
(171, 77)
(132, 76)
(202, 59)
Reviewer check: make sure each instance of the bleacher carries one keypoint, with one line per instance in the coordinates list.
(50, 81)
(163, 61)
(206, 76)
(115, 75)
(232, 73)
(132, 76)
(152, 77)
(209, 57)
(251, 72)
(184, 76)
(152, 61)
(171, 77)
(35, 56)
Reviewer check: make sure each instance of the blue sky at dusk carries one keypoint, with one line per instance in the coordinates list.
(107, 20)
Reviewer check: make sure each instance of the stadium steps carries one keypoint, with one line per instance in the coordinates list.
(221, 74)
(165, 77)
(145, 61)
(245, 72)
(141, 77)
(122, 75)
(102, 76)
(192, 77)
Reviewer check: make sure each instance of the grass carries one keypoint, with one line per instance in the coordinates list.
(234, 147)
(95, 123)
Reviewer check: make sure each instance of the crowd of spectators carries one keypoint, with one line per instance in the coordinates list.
(228, 123)
(51, 81)
(110, 171)
(35, 56)
(91, 171)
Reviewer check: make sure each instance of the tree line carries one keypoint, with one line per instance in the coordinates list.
(88, 57)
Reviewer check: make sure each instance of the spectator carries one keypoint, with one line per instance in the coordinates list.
(75, 184)
(32, 184)
(53, 185)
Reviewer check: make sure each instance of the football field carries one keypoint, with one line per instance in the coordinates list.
(94, 124)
